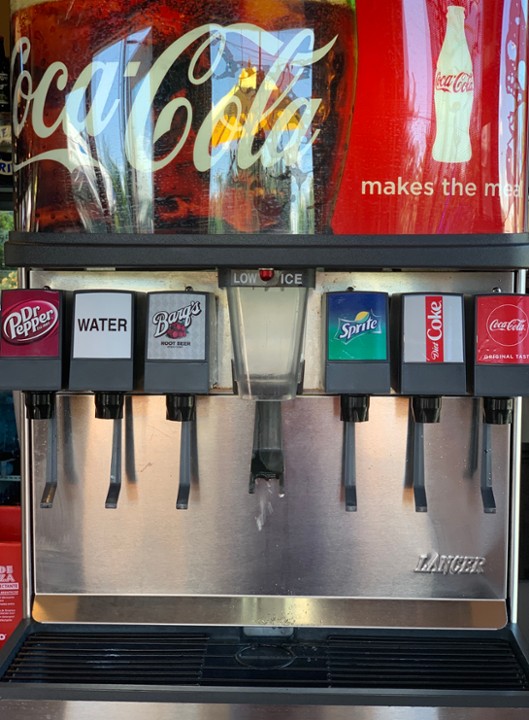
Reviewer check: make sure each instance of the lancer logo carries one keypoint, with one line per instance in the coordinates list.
(434, 563)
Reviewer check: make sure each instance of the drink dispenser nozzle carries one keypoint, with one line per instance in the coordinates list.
(178, 364)
(102, 361)
(430, 347)
(500, 369)
(356, 366)
(267, 310)
(31, 361)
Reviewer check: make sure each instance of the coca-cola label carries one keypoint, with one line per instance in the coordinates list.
(463, 82)
(30, 323)
(433, 328)
(93, 103)
(502, 329)
(103, 325)
(177, 326)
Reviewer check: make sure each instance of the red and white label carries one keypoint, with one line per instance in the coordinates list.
(502, 329)
(460, 83)
(30, 323)
(433, 328)
(433, 305)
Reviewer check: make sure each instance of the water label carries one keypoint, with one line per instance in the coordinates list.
(30, 323)
(502, 329)
(357, 326)
(102, 325)
(433, 329)
(177, 326)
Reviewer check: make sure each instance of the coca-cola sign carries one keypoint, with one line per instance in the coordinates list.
(463, 82)
(508, 325)
(29, 321)
(93, 103)
(502, 329)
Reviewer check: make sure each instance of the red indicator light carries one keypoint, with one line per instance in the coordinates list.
(266, 274)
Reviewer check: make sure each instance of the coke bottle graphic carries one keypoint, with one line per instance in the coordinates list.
(453, 92)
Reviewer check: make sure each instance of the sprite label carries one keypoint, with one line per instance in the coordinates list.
(357, 326)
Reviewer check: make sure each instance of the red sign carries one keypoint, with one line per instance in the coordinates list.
(434, 328)
(438, 138)
(10, 572)
(502, 329)
(30, 323)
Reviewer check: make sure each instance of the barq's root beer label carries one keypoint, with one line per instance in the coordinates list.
(177, 326)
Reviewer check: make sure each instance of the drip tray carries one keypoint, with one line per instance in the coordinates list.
(169, 658)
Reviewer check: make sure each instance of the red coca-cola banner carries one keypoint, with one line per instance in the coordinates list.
(392, 182)
(396, 116)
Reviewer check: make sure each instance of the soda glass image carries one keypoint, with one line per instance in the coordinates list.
(181, 117)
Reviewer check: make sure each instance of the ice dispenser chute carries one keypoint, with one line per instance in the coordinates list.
(267, 310)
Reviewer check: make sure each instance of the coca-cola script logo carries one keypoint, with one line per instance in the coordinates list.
(463, 82)
(29, 321)
(93, 102)
(508, 325)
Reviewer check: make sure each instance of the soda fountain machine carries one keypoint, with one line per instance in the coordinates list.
(270, 224)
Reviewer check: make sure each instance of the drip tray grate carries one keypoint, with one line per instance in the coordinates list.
(178, 659)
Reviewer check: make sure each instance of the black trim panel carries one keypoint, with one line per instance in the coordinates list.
(80, 250)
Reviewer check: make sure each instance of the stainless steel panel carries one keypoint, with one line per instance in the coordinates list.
(307, 545)
(56, 710)
(271, 611)
(230, 544)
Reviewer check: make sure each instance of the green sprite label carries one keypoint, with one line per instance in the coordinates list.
(357, 326)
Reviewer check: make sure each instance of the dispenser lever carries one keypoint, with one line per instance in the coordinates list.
(115, 466)
(487, 493)
(51, 468)
(419, 487)
(353, 409)
(184, 486)
(182, 409)
(40, 406)
(349, 466)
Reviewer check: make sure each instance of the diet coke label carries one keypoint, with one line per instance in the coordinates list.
(433, 328)
(502, 329)
(30, 323)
